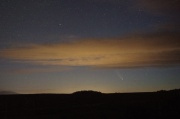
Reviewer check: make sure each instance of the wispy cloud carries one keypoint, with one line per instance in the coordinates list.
(159, 6)
(156, 49)
(39, 70)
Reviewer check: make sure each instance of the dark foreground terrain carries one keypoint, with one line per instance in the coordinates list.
(84, 105)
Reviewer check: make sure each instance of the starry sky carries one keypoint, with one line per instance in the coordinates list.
(63, 46)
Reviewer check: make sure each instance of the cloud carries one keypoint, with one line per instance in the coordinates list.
(155, 49)
(159, 6)
(153, 6)
(107, 1)
(39, 70)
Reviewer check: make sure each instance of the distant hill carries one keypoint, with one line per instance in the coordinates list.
(87, 92)
(7, 92)
(174, 90)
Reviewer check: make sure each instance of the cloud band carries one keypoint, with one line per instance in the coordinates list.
(134, 51)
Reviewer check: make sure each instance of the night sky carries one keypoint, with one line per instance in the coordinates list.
(63, 46)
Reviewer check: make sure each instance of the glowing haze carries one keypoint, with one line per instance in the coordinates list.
(121, 53)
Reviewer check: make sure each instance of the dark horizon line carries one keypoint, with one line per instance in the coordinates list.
(82, 91)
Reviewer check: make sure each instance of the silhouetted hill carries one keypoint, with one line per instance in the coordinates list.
(175, 90)
(87, 92)
(7, 92)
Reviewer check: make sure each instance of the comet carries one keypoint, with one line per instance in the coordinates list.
(119, 75)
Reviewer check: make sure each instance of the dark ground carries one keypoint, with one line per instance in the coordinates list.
(156, 105)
